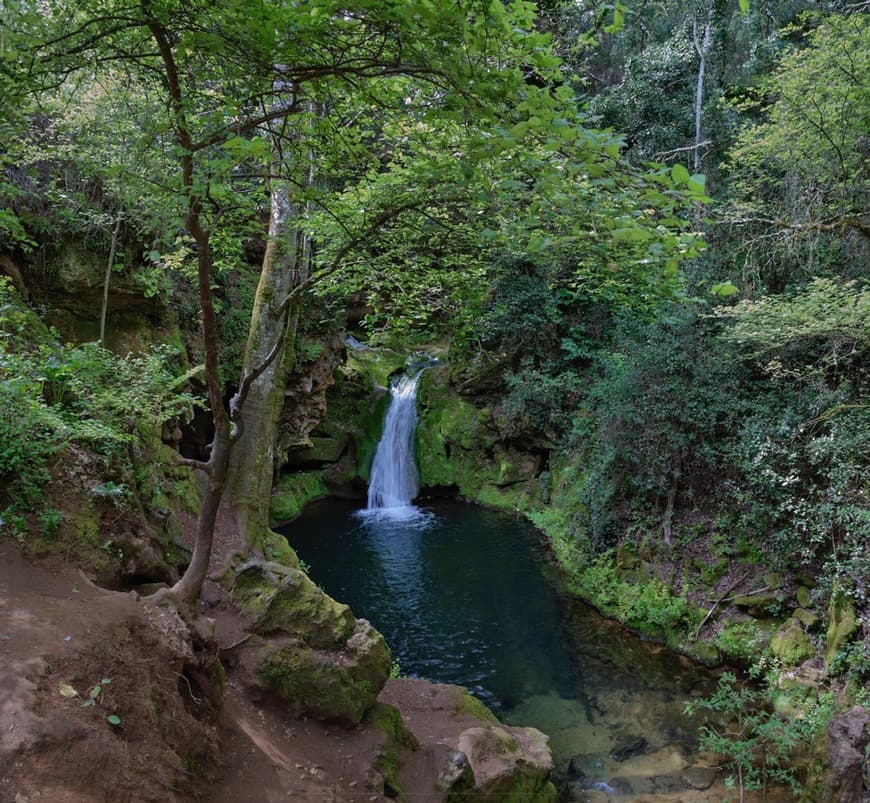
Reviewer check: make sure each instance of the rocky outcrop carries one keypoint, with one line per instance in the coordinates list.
(305, 403)
(311, 651)
(68, 282)
(465, 754)
(459, 445)
(843, 756)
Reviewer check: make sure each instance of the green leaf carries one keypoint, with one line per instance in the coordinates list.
(113, 719)
(744, 6)
(724, 290)
(95, 692)
(618, 21)
(630, 235)
(680, 175)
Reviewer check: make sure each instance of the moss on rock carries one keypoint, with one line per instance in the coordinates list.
(399, 739)
(509, 765)
(466, 703)
(318, 658)
(292, 492)
(281, 599)
(842, 623)
(791, 644)
(458, 445)
(276, 550)
(332, 685)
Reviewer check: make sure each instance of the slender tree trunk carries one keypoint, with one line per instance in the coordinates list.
(187, 590)
(108, 277)
(702, 46)
(668, 517)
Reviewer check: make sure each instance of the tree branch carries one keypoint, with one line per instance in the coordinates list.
(823, 225)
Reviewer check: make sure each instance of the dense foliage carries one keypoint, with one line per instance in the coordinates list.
(688, 347)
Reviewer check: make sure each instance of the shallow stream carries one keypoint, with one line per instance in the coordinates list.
(469, 596)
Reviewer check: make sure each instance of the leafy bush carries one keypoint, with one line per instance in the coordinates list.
(757, 744)
(64, 394)
(655, 421)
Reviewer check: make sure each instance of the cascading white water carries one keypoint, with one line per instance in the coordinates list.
(394, 480)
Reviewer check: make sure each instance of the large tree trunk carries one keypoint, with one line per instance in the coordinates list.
(252, 462)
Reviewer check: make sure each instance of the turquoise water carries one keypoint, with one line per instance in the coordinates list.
(469, 596)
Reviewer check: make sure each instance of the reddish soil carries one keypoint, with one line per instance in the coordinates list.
(59, 632)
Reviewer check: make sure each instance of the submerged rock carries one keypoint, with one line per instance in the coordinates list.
(626, 750)
(699, 777)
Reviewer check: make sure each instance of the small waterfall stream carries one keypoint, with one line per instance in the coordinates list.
(394, 480)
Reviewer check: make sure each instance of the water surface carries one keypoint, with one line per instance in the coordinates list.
(469, 596)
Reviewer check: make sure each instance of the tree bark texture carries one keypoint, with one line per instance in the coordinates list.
(252, 462)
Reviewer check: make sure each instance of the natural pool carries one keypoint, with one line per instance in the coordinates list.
(469, 596)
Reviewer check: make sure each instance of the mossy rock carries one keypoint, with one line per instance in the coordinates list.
(758, 605)
(276, 550)
(388, 719)
(773, 580)
(842, 623)
(791, 644)
(292, 492)
(510, 765)
(466, 703)
(283, 600)
(706, 652)
(803, 597)
(332, 685)
(806, 617)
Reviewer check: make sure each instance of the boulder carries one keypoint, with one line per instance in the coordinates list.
(757, 605)
(791, 644)
(508, 764)
(284, 601)
(843, 754)
(331, 685)
(699, 777)
(313, 653)
(806, 617)
(633, 747)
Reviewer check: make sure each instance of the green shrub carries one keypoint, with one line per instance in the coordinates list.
(83, 394)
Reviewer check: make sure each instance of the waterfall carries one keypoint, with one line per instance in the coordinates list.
(394, 479)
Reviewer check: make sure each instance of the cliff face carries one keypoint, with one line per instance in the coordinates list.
(66, 280)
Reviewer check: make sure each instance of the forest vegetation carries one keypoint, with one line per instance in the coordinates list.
(637, 232)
